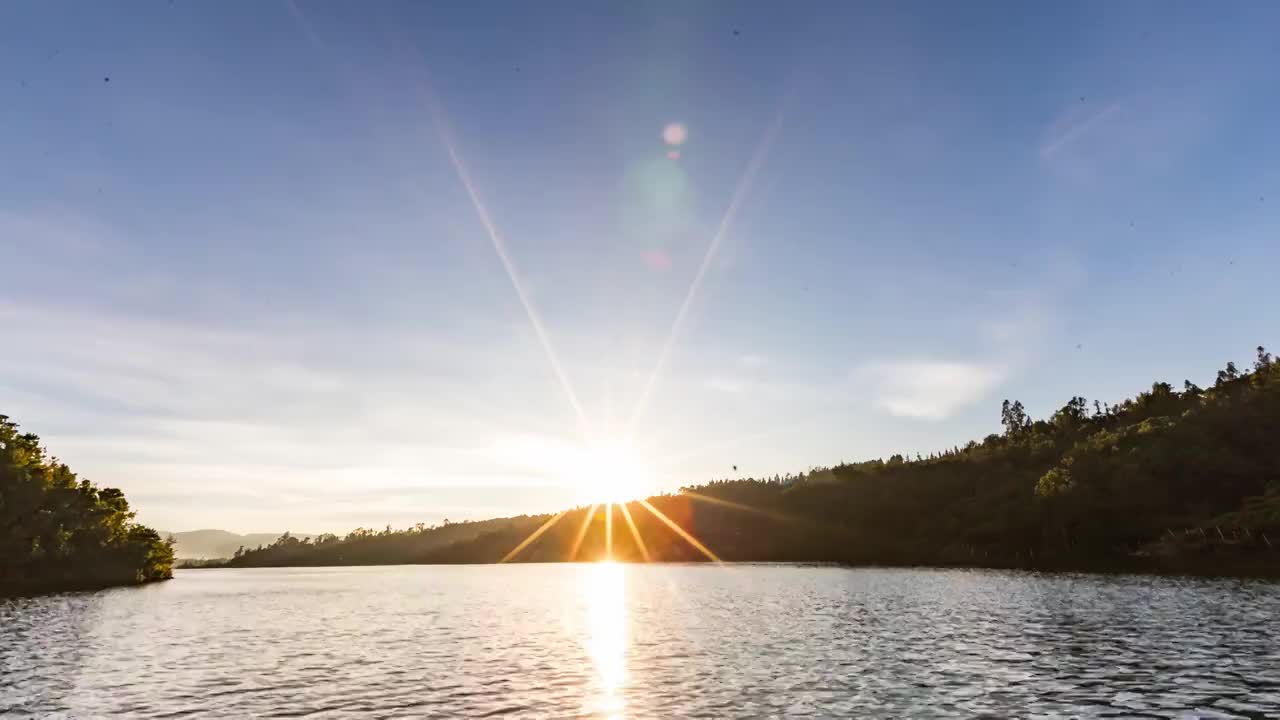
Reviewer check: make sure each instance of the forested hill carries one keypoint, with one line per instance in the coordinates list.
(61, 532)
(210, 543)
(1178, 479)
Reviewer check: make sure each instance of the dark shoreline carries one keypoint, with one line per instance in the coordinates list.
(54, 587)
(1251, 570)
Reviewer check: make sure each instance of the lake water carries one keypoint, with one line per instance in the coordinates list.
(609, 640)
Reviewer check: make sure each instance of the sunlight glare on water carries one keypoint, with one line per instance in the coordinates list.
(607, 643)
(596, 640)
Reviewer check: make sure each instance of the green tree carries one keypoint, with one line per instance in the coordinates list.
(57, 530)
(1013, 416)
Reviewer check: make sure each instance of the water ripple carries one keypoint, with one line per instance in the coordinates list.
(645, 641)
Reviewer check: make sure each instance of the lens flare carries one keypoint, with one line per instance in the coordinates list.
(740, 191)
(657, 259)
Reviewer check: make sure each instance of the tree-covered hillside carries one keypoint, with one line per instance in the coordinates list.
(58, 531)
(1181, 479)
(211, 543)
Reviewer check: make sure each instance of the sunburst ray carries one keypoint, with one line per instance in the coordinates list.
(445, 133)
(534, 536)
(740, 191)
(582, 532)
(689, 538)
(699, 497)
(608, 530)
(635, 532)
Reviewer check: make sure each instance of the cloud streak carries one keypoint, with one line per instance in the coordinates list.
(928, 389)
(1073, 126)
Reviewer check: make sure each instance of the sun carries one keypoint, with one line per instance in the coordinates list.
(608, 471)
(612, 478)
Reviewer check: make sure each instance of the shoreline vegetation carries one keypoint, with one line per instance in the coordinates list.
(1170, 481)
(59, 532)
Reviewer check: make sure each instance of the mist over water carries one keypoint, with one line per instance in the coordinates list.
(604, 640)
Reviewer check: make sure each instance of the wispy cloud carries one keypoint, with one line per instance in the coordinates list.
(1074, 124)
(928, 389)
(153, 405)
(1131, 140)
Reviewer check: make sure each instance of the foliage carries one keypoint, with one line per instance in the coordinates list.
(60, 531)
(1092, 487)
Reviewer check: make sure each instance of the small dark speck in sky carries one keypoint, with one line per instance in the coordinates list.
(106, 79)
(1079, 346)
(736, 32)
(1081, 98)
(735, 468)
(23, 83)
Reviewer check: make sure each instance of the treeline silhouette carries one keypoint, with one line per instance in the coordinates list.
(61, 532)
(1171, 479)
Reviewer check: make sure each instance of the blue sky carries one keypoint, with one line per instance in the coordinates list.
(242, 276)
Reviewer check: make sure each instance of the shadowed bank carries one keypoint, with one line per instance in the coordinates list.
(1179, 481)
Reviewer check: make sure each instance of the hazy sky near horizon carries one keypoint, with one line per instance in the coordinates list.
(319, 265)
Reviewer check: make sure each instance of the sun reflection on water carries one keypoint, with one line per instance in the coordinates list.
(607, 643)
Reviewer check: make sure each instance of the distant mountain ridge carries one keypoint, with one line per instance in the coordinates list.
(213, 543)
